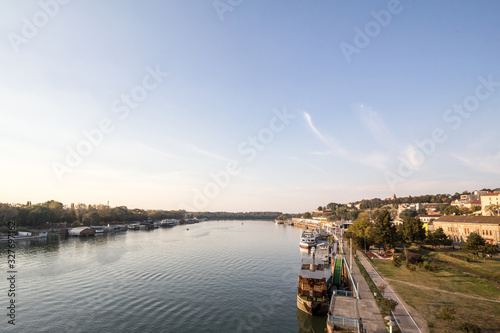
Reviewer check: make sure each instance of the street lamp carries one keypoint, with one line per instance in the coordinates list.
(391, 323)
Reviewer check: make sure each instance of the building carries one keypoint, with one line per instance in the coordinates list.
(487, 200)
(432, 209)
(414, 206)
(466, 198)
(472, 204)
(428, 218)
(460, 227)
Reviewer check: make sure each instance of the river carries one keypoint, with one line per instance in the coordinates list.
(218, 276)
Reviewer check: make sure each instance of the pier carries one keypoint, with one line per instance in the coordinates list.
(352, 306)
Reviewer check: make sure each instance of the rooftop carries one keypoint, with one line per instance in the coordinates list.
(470, 219)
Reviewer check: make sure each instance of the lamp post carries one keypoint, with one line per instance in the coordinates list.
(391, 323)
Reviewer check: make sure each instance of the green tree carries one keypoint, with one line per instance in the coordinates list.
(57, 209)
(307, 215)
(7, 213)
(413, 230)
(451, 210)
(384, 232)
(39, 216)
(489, 250)
(447, 313)
(360, 231)
(407, 213)
(474, 244)
(438, 237)
(282, 217)
(493, 209)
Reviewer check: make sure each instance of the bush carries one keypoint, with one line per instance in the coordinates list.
(397, 261)
(413, 258)
(388, 304)
(411, 267)
(430, 266)
(469, 328)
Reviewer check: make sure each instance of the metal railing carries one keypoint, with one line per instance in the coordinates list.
(345, 322)
(346, 293)
(352, 279)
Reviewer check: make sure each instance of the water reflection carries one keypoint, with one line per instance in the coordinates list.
(310, 324)
(31, 246)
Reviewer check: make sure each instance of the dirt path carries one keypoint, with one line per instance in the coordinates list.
(444, 291)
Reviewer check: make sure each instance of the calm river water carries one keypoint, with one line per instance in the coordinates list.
(218, 276)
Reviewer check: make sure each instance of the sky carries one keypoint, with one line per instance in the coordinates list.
(238, 105)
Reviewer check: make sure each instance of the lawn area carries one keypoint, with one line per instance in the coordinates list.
(447, 281)
(489, 267)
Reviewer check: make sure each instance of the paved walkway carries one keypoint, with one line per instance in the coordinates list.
(405, 321)
(367, 308)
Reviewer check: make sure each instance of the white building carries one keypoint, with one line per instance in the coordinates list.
(487, 200)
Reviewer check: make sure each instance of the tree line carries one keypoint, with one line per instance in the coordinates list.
(384, 233)
(54, 212)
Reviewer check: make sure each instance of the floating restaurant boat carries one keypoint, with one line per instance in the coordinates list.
(81, 231)
(168, 223)
(312, 295)
(134, 226)
(307, 240)
(26, 235)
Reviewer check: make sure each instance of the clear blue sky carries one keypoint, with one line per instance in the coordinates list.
(355, 104)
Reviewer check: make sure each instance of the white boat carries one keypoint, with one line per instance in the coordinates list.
(307, 240)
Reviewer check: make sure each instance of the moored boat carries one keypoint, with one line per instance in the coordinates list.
(25, 235)
(307, 240)
(312, 295)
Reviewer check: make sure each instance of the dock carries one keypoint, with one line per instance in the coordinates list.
(352, 306)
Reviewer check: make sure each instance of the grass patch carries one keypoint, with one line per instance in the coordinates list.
(429, 302)
(490, 267)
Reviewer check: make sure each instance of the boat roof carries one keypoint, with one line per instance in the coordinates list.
(309, 260)
(307, 274)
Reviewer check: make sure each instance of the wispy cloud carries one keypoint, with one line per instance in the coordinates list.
(375, 159)
(334, 146)
(480, 163)
(376, 126)
(482, 154)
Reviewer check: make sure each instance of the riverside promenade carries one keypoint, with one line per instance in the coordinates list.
(367, 308)
(401, 315)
